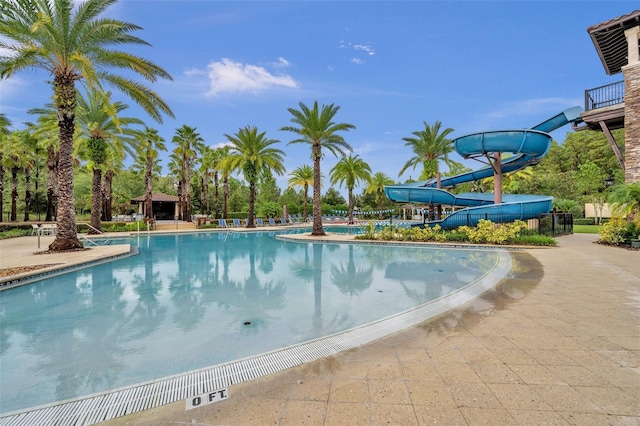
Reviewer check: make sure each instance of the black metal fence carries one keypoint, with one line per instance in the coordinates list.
(604, 96)
(555, 224)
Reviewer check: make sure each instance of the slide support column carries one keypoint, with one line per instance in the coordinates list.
(497, 178)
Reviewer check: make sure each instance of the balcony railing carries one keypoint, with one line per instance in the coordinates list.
(604, 96)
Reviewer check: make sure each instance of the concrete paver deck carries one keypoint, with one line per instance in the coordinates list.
(557, 343)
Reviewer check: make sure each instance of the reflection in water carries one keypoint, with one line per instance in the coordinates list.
(192, 301)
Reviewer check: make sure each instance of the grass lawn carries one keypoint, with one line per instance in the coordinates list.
(586, 229)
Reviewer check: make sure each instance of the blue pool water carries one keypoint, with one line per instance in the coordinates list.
(190, 301)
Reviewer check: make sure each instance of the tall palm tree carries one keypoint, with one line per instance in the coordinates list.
(316, 127)
(104, 131)
(47, 131)
(251, 153)
(376, 186)
(350, 171)
(150, 144)
(430, 146)
(74, 45)
(209, 164)
(225, 172)
(302, 176)
(4, 132)
(189, 144)
(15, 160)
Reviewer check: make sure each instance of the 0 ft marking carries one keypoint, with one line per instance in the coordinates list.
(207, 398)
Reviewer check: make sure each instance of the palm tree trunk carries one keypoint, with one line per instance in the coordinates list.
(225, 195)
(304, 202)
(96, 201)
(252, 201)
(216, 196)
(350, 222)
(187, 195)
(148, 190)
(65, 99)
(27, 193)
(14, 194)
(107, 196)
(52, 182)
(317, 196)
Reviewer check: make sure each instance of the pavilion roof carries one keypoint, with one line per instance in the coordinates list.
(158, 197)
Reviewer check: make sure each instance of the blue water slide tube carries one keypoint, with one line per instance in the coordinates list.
(529, 146)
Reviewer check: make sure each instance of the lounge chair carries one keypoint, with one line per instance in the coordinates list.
(48, 229)
(222, 223)
(259, 221)
(236, 222)
(283, 221)
(272, 221)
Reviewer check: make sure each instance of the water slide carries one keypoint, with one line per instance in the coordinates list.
(528, 147)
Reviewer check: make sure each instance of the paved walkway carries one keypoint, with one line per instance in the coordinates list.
(557, 343)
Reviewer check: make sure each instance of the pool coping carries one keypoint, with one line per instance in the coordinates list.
(130, 399)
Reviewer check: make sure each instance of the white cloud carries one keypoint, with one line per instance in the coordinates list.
(230, 76)
(357, 61)
(282, 63)
(366, 48)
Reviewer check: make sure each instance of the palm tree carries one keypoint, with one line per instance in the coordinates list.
(350, 170)
(14, 160)
(210, 168)
(151, 144)
(376, 186)
(303, 176)
(430, 147)
(105, 131)
(189, 144)
(625, 200)
(47, 132)
(318, 130)
(74, 46)
(225, 172)
(251, 153)
(4, 132)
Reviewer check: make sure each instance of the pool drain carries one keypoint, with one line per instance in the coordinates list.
(247, 323)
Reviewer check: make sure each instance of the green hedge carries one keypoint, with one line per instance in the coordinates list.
(584, 221)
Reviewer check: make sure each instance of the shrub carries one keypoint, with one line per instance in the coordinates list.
(488, 232)
(584, 221)
(613, 232)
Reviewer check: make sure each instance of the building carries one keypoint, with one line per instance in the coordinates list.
(617, 105)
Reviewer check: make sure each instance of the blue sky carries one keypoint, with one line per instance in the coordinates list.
(474, 66)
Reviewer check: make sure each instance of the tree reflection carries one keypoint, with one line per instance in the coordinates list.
(350, 279)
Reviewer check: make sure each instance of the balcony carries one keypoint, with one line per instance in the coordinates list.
(604, 96)
(604, 105)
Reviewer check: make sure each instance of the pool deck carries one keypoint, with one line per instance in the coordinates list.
(561, 347)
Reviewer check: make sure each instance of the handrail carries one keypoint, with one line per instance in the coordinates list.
(95, 229)
(604, 96)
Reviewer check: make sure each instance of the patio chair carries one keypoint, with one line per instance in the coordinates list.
(35, 229)
(283, 221)
(48, 229)
(236, 222)
(272, 221)
(222, 223)
(259, 221)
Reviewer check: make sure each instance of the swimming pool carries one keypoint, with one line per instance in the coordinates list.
(189, 301)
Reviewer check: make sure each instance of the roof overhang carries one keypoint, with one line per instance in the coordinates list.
(610, 41)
